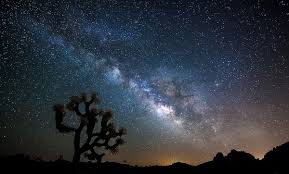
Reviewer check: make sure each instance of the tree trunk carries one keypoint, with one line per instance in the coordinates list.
(99, 158)
(76, 142)
(76, 157)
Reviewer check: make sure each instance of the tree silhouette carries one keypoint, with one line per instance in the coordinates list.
(92, 119)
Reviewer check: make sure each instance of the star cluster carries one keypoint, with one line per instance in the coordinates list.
(186, 78)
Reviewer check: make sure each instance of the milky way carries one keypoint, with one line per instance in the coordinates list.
(187, 79)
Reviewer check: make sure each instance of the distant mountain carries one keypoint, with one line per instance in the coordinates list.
(234, 162)
(278, 158)
(179, 165)
(275, 161)
(279, 153)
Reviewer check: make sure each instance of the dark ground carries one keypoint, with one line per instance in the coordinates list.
(275, 161)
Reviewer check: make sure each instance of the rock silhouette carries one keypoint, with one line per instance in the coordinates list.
(233, 162)
(275, 162)
(278, 158)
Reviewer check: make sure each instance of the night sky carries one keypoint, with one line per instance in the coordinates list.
(187, 79)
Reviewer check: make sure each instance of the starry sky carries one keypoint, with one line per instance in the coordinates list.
(187, 79)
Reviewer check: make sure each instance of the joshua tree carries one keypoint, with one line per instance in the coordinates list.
(92, 118)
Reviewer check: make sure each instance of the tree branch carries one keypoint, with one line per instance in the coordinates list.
(76, 109)
(87, 105)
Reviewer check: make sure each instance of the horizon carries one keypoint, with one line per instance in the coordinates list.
(166, 163)
(187, 79)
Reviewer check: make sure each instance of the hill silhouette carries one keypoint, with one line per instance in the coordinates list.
(274, 162)
(278, 158)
